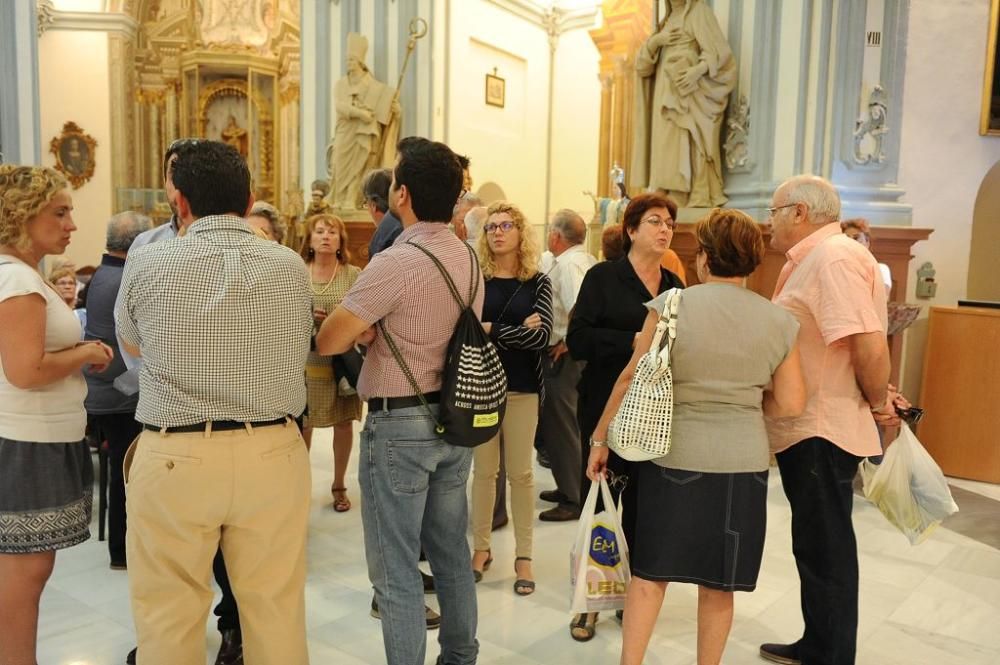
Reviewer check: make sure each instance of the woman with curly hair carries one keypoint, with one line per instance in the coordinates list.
(517, 315)
(330, 404)
(46, 475)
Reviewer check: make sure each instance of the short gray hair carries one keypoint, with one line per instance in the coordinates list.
(818, 194)
(123, 229)
(570, 225)
(471, 199)
(271, 214)
(474, 220)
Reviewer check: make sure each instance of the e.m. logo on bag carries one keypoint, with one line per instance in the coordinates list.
(604, 546)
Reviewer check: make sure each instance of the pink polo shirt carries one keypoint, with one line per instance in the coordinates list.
(831, 284)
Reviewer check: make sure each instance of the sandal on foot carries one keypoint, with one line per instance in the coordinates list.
(477, 574)
(583, 627)
(523, 587)
(341, 503)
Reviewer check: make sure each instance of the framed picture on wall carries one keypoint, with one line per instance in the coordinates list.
(74, 152)
(989, 118)
(495, 89)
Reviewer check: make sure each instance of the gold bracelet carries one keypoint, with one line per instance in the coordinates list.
(598, 444)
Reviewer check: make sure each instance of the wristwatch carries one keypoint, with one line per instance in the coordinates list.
(594, 443)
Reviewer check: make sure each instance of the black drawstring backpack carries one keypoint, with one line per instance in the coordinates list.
(474, 385)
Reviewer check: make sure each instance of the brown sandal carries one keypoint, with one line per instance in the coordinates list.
(341, 503)
(583, 627)
(523, 586)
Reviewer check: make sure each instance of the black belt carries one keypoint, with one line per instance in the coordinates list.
(217, 426)
(390, 403)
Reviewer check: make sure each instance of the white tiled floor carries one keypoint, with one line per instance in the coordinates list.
(934, 604)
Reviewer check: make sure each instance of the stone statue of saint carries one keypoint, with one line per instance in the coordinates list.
(686, 72)
(236, 136)
(367, 126)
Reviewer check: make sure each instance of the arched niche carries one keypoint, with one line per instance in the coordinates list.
(984, 253)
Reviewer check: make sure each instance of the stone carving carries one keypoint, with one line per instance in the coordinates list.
(737, 134)
(46, 15)
(686, 71)
(870, 131)
(236, 136)
(367, 125)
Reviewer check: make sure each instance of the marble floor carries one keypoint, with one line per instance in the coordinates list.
(934, 604)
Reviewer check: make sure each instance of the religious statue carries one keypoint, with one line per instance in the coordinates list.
(873, 127)
(611, 209)
(236, 136)
(317, 202)
(367, 125)
(686, 72)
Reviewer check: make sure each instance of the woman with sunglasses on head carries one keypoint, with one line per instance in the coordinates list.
(606, 321)
(46, 475)
(517, 315)
(701, 509)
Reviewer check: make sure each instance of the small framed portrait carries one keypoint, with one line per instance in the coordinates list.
(495, 89)
(74, 152)
(989, 116)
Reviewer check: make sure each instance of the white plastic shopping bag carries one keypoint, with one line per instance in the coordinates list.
(908, 487)
(599, 570)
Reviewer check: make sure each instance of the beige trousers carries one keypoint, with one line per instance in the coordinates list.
(518, 431)
(247, 490)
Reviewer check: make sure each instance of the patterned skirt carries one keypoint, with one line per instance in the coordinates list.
(46, 495)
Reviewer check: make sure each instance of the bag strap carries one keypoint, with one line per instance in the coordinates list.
(473, 274)
(408, 373)
(666, 326)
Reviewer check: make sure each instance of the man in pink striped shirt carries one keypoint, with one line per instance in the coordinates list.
(832, 286)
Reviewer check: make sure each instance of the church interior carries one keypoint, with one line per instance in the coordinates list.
(896, 102)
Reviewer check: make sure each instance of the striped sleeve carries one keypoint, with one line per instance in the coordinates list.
(520, 337)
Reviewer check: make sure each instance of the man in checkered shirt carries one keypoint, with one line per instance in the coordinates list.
(412, 482)
(222, 320)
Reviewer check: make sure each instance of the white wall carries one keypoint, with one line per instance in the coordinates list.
(74, 85)
(943, 157)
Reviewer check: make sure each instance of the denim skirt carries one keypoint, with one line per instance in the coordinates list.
(46, 495)
(700, 528)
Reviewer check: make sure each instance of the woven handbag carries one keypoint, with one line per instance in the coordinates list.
(640, 431)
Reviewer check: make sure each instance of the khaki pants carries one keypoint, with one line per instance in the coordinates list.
(518, 431)
(247, 490)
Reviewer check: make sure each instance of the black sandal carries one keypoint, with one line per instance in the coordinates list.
(586, 624)
(523, 587)
(477, 575)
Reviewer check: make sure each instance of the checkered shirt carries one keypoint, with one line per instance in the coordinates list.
(402, 287)
(223, 320)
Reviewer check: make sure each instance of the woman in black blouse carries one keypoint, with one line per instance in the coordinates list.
(517, 314)
(606, 321)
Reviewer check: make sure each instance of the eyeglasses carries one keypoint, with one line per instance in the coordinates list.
(657, 222)
(771, 211)
(492, 227)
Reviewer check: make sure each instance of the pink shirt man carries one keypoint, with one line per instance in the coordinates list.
(832, 285)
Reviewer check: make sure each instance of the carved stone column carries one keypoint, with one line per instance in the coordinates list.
(627, 24)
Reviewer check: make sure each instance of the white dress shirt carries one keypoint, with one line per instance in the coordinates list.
(567, 276)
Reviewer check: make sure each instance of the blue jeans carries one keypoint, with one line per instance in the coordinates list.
(413, 488)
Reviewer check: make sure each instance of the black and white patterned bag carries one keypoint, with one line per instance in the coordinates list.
(640, 431)
(474, 383)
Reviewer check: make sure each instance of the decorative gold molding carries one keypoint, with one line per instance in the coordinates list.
(991, 54)
(74, 152)
(290, 94)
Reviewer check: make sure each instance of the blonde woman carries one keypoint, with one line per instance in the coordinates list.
(517, 314)
(331, 276)
(46, 476)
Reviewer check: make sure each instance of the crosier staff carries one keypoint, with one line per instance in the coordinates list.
(417, 30)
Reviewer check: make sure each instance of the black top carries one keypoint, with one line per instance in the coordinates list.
(386, 232)
(102, 396)
(609, 311)
(507, 303)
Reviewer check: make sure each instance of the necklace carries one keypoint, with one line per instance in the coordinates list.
(326, 287)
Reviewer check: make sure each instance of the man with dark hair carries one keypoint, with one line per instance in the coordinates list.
(412, 482)
(222, 320)
(375, 190)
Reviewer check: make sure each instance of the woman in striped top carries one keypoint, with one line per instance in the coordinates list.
(517, 314)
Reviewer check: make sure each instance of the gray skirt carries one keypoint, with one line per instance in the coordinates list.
(46, 495)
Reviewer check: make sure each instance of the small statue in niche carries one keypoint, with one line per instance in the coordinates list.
(874, 126)
(686, 71)
(367, 126)
(737, 134)
(318, 204)
(236, 136)
(611, 209)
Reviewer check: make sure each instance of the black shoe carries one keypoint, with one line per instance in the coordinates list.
(119, 564)
(428, 582)
(543, 459)
(786, 654)
(553, 496)
(433, 618)
(560, 514)
(231, 650)
(130, 658)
